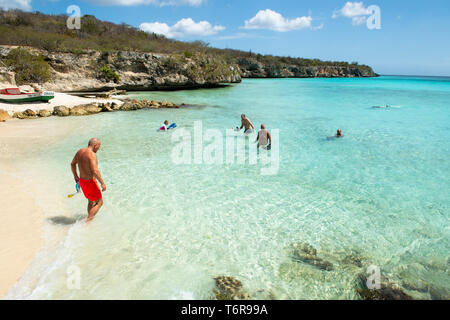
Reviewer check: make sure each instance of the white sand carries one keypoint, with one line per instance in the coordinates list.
(22, 193)
(61, 99)
(20, 230)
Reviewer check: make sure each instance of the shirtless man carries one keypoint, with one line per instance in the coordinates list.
(87, 164)
(245, 122)
(264, 139)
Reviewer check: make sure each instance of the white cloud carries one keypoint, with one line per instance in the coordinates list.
(353, 10)
(183, 28)
(194, 3)
(15, 4)
(269, 19)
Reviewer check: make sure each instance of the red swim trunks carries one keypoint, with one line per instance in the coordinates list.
(90, 189)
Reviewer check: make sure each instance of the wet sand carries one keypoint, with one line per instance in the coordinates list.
(23, 219)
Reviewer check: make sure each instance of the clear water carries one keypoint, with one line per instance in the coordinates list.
(165, 231)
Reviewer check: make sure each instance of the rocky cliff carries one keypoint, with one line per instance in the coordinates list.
(93, 70)
(129, 70)
(252, 68)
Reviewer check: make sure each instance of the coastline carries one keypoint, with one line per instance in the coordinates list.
(22, 230)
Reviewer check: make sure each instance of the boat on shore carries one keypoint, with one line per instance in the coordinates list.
(14, 95)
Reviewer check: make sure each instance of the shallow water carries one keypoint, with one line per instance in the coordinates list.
(166, 230)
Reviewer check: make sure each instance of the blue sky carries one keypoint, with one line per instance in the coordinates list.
(413, 39)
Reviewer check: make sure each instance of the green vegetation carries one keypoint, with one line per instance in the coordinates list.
(109, 75)
(28, 67)
(49, 32)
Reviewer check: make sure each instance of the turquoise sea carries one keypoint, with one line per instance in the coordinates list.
(379, 195)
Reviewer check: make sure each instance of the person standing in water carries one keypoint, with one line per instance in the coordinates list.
(245, 122)
(264, 139)
(86, 159)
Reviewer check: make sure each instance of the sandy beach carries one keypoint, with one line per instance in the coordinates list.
(21, 230)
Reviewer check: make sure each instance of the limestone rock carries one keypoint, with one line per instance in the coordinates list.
(44, 113)
(30, 114)
(19, 115)
(61, 111)
(84, 110)
(4, 115)
(129, 106)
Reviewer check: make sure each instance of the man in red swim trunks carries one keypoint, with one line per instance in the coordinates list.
(87, 164)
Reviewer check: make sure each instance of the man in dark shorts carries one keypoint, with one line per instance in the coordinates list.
(86, 159)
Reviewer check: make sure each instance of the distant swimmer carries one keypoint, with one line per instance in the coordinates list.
(245, 122)
(264, 139)
(166, 127)
(381, 107)
(339, 133)
(86, 159)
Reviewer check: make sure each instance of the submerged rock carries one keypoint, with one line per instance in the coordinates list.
(229, 288)
(61, 111)
(387, 291)
(306, 253)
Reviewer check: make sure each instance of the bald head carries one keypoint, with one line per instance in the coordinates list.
(94, 143)
(263, 126)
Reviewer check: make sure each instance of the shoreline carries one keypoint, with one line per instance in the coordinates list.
(23, 230)
(20, 232)
(23, 227)
(26, 203)
(64, 105)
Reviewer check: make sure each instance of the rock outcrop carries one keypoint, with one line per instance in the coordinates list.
(4, 115)
(130, 70)
(85, 110)
(91, 108)
(61, 111)
(252, 68)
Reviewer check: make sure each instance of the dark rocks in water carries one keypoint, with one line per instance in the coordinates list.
(387, 291)
(306, 253)
(354, 260)
(384, 293)
(439, 293)
(65, 221)
(229, 288)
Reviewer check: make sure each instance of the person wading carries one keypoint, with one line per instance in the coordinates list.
(86, 159)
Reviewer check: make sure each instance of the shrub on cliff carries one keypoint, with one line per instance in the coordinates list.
(28, 67)
(109, 74)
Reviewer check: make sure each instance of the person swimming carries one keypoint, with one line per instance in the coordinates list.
(166, 127)
(339, 133)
